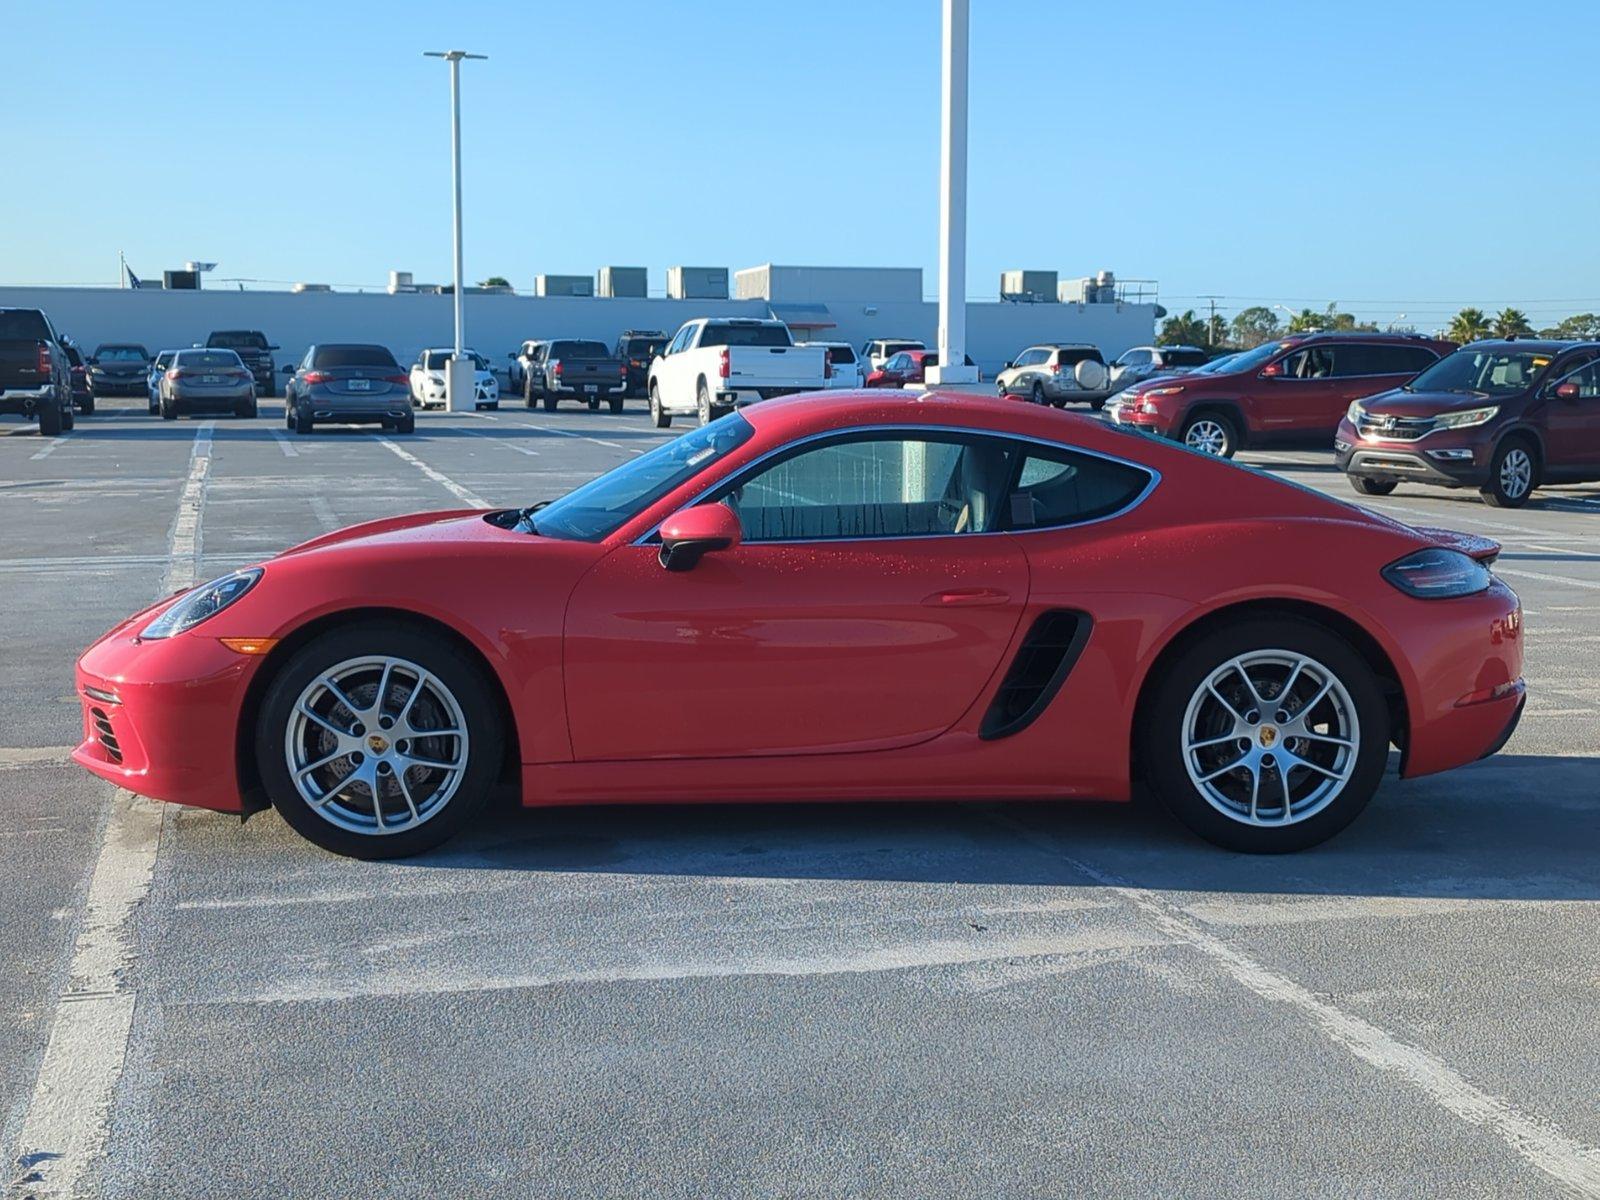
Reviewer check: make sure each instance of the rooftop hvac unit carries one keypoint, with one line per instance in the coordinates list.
(697, 283)
(401, 281)
(1035, 286)
(311, 287)
(624, 282)
(1094, 289)
(183, 281)
(563, 285)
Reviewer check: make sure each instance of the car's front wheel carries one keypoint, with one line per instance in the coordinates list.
(379, 741)
(1513, 474)
(1267, 735)
(659, 416)
(1372, 487)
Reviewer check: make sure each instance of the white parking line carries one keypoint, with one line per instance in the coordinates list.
(465, 495)
(1591, 584)
(282, 439)
(48, 450)
(69, 1113)
(500, 441)
(1570, 1163)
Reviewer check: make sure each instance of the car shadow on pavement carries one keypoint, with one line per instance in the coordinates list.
(1515, 827)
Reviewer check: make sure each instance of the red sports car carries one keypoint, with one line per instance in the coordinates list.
(839, 596)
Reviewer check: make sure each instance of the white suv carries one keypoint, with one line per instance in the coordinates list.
(1144, 361)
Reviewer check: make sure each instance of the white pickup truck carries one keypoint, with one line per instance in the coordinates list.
(715, 363)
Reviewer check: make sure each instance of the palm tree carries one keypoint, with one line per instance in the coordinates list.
(1512, 323)
(1468, 325)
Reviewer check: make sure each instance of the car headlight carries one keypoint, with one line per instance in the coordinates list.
(1437, 573)
(1466, 418)
(1354, 413)
(1161, 391)
(201, 603)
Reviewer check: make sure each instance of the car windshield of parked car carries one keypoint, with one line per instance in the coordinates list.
(208, 358)
(603, 505)
(354, 356)
(1218, 365)
(745, 335)
(579, 350)
(1254, 360)
(646, 348)
(123, 354)
(1482, 372)
(238, 340)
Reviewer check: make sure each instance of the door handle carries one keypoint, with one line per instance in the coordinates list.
(966, 598)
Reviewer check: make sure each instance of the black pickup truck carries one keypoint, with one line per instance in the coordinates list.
(575, 369)
(35, 376)
(252, 346)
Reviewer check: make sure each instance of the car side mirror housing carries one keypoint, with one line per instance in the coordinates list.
(1272, 371)
(1008, 366)
(690, 533)
(1567, 391)
(288, 368)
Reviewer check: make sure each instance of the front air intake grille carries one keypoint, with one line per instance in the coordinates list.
(106, 735)
(1041, 666)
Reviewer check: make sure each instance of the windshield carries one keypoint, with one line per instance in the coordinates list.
(1218, 366)
(717, 334)
(208, 358)
(644, 347)
(603, 505)
(1485, 372)
(243, 339)
(353, 356)
(1250, 360)
(579, 350)
(122, 354)
(437, 359)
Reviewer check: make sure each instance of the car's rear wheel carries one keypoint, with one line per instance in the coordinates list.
(379, 741)
(1372, 487)
(659, 416)
(169, 411)
(1037, 395)
(702, 400)
(302, 422)
(406, 424)
(616, 404)
(1513, 474)
(87, 407)
(549, 403)
(1211, 433)
(50, 420)
(1267, 735)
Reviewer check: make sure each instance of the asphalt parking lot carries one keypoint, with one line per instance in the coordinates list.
(895, 1000)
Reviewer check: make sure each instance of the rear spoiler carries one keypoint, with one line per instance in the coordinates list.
(1485, 550)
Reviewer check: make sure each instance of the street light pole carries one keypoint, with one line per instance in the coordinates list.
(952, 339)
(459, 375)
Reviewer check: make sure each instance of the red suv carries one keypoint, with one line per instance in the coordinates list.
(1500, 416)
(908, 366)
(1291, 390)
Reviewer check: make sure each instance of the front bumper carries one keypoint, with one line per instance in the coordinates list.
(110, 385)
(161, 717)
(1444, 459)
(1120, 412)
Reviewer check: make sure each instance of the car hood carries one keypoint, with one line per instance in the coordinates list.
(1401, 403)
(445, 525)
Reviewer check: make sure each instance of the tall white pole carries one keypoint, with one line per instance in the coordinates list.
(455, 175)
(952, 366)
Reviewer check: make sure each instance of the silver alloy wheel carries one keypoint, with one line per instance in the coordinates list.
(1516, 473)
(1207, 436)
(376, 745)
(1270, 738)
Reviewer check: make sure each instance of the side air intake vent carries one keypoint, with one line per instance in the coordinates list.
(1043, 662)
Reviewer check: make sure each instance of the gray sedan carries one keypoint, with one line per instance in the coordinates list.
(207, 381)
(348, 383)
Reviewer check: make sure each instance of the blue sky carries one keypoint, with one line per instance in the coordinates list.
(1405, 157)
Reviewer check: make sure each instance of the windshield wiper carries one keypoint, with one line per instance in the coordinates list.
(525, 517)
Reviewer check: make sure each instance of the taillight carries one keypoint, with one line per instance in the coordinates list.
(318, 377)
(722, 363)
(622, 370)
(1058, 368)
(174, 373)
(555, 368)
(405, 379)
(44, 359)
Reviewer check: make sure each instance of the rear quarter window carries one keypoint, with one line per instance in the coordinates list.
(1059, 487)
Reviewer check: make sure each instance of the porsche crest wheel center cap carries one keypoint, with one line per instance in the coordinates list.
(379, 744)
(1267, 735)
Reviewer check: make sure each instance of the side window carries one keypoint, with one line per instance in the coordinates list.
(1135, 358)
(1313, 362)
(1063, 487)
(877, 487)
(1032, 358)
(1587, 377)
(898, 362)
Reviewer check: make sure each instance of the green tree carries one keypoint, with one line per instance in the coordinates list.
(1583, 325)
(1254, 325)
(1512, 323)
(1309, 320)
(495, 281)
(1184, 330)
(1468, 325)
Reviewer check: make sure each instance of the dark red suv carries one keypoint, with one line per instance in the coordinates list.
(1292, 390)
(1500, 416)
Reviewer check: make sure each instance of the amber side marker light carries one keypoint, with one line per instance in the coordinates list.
(249, 645)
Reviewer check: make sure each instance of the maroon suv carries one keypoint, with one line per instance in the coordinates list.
(1292, 390)
(1501, 416)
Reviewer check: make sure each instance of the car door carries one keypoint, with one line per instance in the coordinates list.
(1297, 391)
(1572, 423)
(867, 607)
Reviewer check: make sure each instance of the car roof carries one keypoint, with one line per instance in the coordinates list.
(1547, 345)
(847, 408)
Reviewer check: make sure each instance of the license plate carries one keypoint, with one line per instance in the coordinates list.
(360, 385)
(591, 388)
(210, 379)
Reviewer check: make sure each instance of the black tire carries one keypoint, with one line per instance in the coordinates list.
(549, 403)
(493, 406)
(87, 407)
(1097, 405)
(1209, 427)
(406, 424)
(702, 400)
(301, 422)
(466, 681)
(169, 411)
(1037, 394)
(1162, 752)
(594, 403)
(50, 421)
(1507, 487)
(1372, 487)
(616, 404)
(527, 392)
(67, 419)
(659, 417)
(155, 406)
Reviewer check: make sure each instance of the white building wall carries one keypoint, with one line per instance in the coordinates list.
(407, 323)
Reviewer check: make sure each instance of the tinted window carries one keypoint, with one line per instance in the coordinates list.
(893, 347)
(208, 358)
(1374, 359)
(719, 334)
(603, 505)
(353, 356)
(1183, 358)
(643, 348)
(576, 349)
(1076, 354)
(238, 339)
(1312, 362)
(841, 356)
(1063, 487)
(876, 486)
(23, 325)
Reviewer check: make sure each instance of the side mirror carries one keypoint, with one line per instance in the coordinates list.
(288, 368)
(692, 532)
(274, 347)
(1567, 390)
(1273, 370)
(1008, 365)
